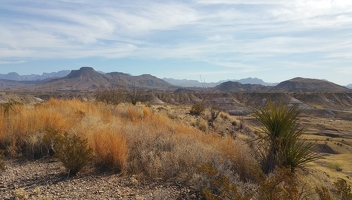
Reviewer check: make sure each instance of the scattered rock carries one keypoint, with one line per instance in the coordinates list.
(42, 179)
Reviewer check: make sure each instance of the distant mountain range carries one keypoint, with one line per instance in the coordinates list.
(195, 83)
(87, 79)
(34, 77)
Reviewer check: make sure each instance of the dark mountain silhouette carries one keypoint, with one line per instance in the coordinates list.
(231, 86)
(254, 81)
(308, 85)
(186, 83)
(87, 79)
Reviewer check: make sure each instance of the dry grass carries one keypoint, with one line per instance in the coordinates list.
(127, 138)
(162, 142)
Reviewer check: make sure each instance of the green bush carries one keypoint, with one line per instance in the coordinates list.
(197, 109)
(73, 152)
(282, 136)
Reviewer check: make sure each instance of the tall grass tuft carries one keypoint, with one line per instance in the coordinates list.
(110, 150)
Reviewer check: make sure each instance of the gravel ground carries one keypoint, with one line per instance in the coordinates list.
(45, 179)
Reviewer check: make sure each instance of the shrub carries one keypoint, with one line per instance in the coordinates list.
(225, 116)
(136, 95)
(343, 190)
(73, 152)
(20, 194)
(323, 193)
(282, 133)
(111, 96)
(220, 185)
(2, 164)
(197, 109)
(214, 113)
(202, 125)
(335, 166)
(281, 184)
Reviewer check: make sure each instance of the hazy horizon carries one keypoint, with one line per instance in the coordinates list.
(273, 40)
(200, 78)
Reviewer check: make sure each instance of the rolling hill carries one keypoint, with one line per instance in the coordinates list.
(308, 85)
(292, 85)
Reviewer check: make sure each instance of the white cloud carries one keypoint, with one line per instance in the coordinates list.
(227, 33)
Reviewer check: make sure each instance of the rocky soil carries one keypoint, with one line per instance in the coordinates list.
(45, 179)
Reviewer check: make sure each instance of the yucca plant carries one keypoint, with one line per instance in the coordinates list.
(282, 135)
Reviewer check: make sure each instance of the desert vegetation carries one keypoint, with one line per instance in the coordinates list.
(151, 143)
(125, 138)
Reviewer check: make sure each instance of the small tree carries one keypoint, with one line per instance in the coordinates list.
(135, 94)
(282, 134)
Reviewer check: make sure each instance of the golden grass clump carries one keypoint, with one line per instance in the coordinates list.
(225, 115)
(110, 149)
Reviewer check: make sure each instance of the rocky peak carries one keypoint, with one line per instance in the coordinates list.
(83, 72)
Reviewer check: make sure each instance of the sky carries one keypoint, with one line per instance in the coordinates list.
(204, 40)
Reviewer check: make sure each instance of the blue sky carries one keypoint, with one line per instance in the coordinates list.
(274, 40)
